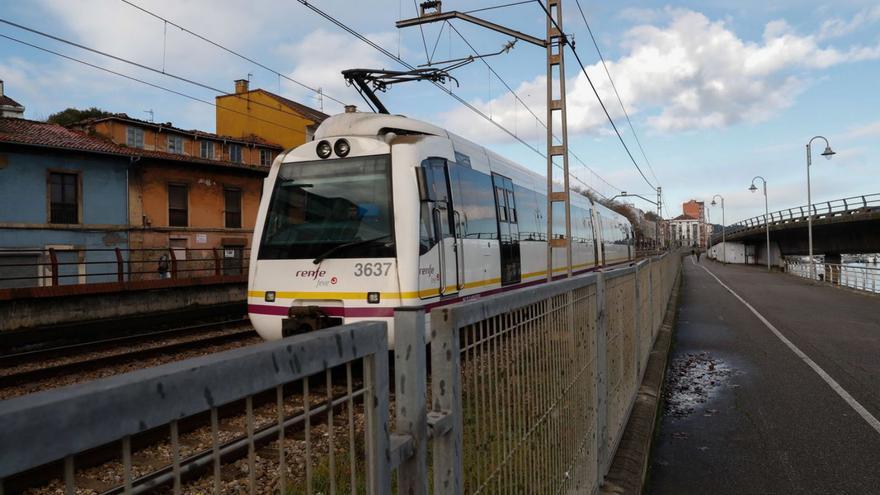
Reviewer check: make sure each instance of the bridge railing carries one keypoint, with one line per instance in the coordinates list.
(859, 277)
(866, 202)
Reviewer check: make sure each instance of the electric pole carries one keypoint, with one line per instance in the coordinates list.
(554, 44)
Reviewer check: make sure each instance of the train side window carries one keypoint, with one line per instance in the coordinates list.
(427, 233)
(473, 197)
(502, 204)
(530, 229)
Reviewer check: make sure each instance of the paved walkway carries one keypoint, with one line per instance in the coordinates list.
(753, 410)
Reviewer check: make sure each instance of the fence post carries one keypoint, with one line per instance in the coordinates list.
(120, 276)
(410, 393)
(216, 261)
(446, 395)
(173, 263)
(601, 381)
(637, 328)
(53, 260)
(378, 437)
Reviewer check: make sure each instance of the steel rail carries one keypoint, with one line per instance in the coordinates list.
(13, 359)
(30, 375)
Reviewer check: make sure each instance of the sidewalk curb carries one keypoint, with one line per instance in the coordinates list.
(630, 464)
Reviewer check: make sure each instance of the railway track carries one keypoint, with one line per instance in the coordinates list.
(29, 367)
(241, 440)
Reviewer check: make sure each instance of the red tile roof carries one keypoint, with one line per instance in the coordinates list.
(33, 133)
(168, 126)
(308, 112)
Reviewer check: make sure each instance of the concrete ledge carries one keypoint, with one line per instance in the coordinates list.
(630, 463)
(92, 307)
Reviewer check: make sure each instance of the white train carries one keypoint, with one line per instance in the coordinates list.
(383, 211)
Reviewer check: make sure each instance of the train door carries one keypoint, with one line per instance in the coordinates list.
(439, 264)
(508, 229)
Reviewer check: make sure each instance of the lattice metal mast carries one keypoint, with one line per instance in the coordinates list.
(554, 44)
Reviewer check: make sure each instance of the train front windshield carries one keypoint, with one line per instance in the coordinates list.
(338, 208)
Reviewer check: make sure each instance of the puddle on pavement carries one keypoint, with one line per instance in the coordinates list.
(692, 380)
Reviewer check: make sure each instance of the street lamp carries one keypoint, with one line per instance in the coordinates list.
(828, 153)
(766, 214)
(723, 227)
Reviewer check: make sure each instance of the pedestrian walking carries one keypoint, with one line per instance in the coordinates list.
(163, 266)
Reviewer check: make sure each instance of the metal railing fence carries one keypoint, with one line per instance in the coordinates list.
(309, 412)
(864, 278)
(56, 266)
(537, 385)
(866, 202)
(529, 392)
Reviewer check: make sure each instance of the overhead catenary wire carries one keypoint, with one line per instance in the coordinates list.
(529, 109)
(145, 67)
(452, 94)
(233, 52)
(135, 79)
(614, 86)
(577, 57)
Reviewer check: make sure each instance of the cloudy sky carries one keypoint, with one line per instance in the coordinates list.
(717, 91)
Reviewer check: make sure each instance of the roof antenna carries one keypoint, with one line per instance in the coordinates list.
(150, 111)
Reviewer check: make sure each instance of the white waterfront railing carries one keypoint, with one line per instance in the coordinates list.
(864, 278)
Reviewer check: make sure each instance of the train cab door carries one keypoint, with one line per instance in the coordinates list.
(439, 269)
(508, 229)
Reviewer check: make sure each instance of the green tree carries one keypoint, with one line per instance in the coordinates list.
(71, 115)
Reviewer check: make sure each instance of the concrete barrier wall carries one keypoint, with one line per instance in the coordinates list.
(26, 313)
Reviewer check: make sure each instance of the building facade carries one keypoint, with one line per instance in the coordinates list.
(247, 113)
(111, 183)
(62, 194)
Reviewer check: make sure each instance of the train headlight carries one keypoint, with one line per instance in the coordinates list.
(341, 147)
(324, 149)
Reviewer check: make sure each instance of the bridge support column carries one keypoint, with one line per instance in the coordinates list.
(775, 254)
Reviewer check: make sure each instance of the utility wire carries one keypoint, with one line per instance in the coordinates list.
(145, 67)
(512, 4)
(614, 86)
(517, 97)
(577, 57)
(233, 52)
(163, 88)
(406, 64)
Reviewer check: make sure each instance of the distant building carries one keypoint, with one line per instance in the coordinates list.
(274, 118)
(687, 231)
(9, 107)
(694, 209)
(122, 182)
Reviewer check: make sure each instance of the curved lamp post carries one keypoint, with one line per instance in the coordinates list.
(723, 227)
(828, 153)
(766, 214)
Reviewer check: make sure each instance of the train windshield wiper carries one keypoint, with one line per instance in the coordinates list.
(347, 245)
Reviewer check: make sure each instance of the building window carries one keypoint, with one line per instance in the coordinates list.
(134, 137)
(63, 198)
(235, 153)
(175, 145)
(178, 205)
(207, 150)
(233, 207)
(265, 158)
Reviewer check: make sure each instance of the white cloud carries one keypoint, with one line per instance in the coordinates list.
(323, 67)
(871, 129)
(837, 27)
(690, 73)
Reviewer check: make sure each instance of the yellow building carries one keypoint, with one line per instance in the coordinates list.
(259, 113)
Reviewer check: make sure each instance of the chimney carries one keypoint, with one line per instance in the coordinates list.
(241, 86)
(351, 108)
(1, 87)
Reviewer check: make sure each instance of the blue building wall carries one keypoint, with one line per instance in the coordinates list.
(23, 200)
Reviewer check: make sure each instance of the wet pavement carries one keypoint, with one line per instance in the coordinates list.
(743, 413)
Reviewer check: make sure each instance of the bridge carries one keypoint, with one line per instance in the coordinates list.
(848, 225)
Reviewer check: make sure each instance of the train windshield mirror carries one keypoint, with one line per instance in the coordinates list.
(319, 206)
